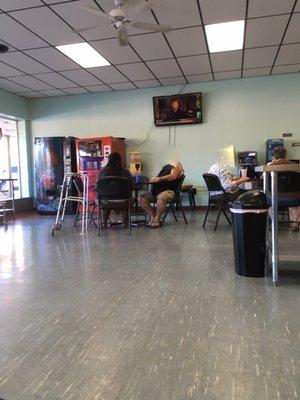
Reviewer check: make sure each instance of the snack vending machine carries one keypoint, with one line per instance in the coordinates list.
(92, 155)
(271, 144)
(54, 157)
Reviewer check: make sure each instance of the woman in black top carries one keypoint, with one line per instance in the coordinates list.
(114, 168)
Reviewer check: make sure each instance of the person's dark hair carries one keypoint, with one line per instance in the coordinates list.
(114, 163)
(279, 152)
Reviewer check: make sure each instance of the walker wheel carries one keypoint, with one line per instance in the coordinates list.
(58, 226)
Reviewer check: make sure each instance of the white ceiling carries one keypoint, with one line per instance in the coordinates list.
(34, 68)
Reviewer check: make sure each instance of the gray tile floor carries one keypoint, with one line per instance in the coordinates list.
(160, 315)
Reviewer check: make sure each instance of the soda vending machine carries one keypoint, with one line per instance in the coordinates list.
(92, 155)
(54, 156)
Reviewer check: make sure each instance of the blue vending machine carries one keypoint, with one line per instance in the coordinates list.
(271, 144)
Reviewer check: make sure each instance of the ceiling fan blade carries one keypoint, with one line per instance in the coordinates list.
(151, 27)
(88, 28)
(122, 36)
(93, 9)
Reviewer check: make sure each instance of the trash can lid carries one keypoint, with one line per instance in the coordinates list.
(252, 199)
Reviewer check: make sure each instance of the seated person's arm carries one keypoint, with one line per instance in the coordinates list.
(175, 174)
(231, 184)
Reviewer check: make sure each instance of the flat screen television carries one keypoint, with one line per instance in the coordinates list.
(178, 109)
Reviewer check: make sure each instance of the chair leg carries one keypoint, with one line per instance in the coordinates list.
(173, 210)
(219, 213)
(100, 221)
(166, 214)
(226, 216)
(194, 201)
(191, 201)
(129, 219)
(206, 215)
(182, 212)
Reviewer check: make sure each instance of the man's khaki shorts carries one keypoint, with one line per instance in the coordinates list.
(166, 196)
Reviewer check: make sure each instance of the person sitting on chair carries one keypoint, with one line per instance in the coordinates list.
(229, 182)
(163, 192)
(114, 168)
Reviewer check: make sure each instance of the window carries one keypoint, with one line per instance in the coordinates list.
(13, 156)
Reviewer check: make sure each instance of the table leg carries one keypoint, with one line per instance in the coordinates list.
(274, 196)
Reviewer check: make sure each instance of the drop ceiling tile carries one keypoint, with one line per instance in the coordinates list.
(100, 89)
(55, 1)
(123, 86)
(55, 79)
(79, 18)
(108, 74)
(195, 65)
(286, 69)
(199, 78)
(219, 76)
(76, 90)
(173, 81)
(260, 8)
(136, 71)
(53, 92)
(30, 82)
(32, 95)
(256, 72)
(21, 61)
(6, 71)
(227, 60)
(114, 53)
(147, 84)
(297, 8)
(47, 25)
(265, 31)
(188, 41)
(8, 5)
(18, 36)
(164, 68)
(12, 86)
(177, 13)
(53, 58)
(151, 46)
(216, 11)
(81, 77)
(260, 57)
(289, 54)
(293, 32)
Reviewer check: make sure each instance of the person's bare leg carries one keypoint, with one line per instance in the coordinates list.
(294, 215)
(160, 209)
(146, 206)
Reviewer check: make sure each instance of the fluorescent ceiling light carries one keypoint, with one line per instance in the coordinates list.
(84, 55)
(225, 36)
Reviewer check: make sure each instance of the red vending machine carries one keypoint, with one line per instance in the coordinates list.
(92, 155)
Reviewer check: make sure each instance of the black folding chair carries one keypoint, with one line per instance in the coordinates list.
(114, 193)
(176, 203)
(215, 200)
(77, 182)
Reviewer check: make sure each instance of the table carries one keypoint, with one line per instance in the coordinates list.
(12, 194)
(276, 253)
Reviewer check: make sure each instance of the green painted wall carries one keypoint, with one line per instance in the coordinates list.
(242, 112)
(13, 105)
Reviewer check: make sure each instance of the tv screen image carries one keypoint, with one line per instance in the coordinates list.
(178, 109)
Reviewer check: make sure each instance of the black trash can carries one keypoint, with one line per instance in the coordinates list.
(249, 222)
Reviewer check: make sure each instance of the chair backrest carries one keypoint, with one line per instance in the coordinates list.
(179, 185)
(213, 184)
(113, 188)
(78, 184)
(287, 182)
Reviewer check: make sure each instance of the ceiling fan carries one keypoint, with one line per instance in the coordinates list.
(119, 19)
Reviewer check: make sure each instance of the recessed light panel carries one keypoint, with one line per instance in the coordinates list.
(84, 55)
(226, 36)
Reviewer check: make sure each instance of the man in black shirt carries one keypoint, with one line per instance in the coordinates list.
(175, 113)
